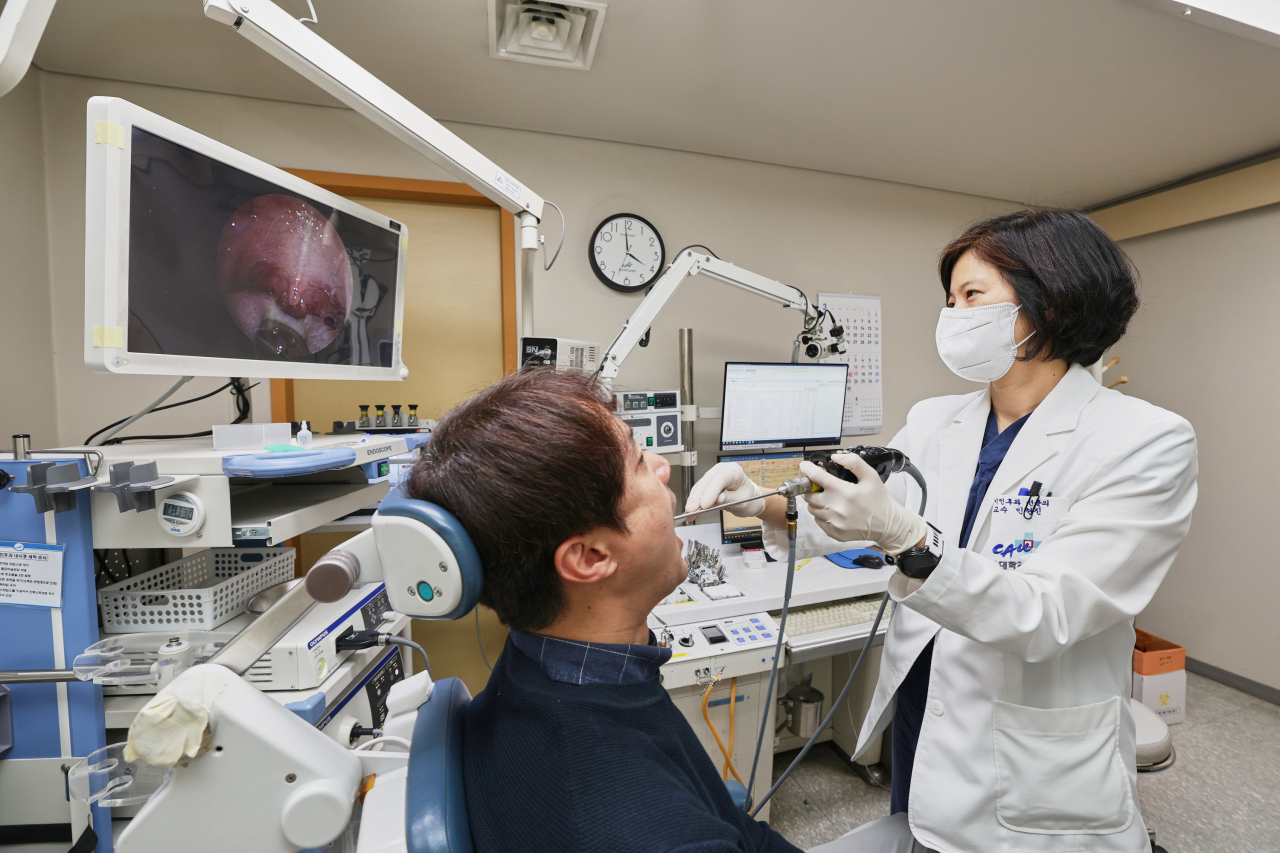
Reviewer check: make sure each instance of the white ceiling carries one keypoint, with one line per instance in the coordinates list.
(1069, 102)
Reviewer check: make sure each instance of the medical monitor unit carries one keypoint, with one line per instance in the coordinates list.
(203, 261)
(768, 471)
(774, 406)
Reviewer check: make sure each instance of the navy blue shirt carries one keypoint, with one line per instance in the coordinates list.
(575, 662)
(578, 747)
(908, 714)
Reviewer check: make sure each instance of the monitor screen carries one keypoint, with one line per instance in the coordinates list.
(768, 471)
(782, 405)
(226, 264)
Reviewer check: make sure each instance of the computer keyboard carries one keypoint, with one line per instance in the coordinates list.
(817, 618)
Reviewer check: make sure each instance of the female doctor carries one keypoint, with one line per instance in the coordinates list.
(1055, 507)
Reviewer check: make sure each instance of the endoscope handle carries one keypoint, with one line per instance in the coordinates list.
(885, 460)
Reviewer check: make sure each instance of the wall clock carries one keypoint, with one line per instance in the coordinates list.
(626, 252)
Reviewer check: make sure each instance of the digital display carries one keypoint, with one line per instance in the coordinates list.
(713, 634)
(225, 264)
(782, 405)
(179, 512)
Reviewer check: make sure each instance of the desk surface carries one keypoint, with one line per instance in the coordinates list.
(816, 582)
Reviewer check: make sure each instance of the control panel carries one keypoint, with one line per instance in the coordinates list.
(365, 703)
(653, 416)
(726, 648)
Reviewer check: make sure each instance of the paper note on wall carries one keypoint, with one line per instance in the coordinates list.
(864, 399)
(31, 574)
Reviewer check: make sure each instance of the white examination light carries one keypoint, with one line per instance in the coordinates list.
(1253, 19)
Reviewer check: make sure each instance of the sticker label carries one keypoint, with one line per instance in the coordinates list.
(31, 574)
(508, 184)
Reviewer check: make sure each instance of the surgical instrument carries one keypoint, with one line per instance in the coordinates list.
(791, 488)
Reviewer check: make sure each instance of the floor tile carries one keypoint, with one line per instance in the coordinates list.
(1220, 795)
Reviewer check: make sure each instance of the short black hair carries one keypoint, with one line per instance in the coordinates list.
(1076, 286)
(525, 464)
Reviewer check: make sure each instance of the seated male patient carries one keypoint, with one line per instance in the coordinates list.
(574, 745)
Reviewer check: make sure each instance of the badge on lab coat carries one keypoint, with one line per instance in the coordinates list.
(1019, 523)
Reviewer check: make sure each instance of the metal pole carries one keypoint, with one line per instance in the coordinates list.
(36, 676)
(21, 447)
(688, 414)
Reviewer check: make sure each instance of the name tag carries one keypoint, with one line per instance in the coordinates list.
(1019, 523)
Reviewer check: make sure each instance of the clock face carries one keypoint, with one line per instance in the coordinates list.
(626, 252)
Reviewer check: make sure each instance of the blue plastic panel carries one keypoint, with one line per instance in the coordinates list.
(435, 806)
(26, 634)
(310, 709)
(288, 464)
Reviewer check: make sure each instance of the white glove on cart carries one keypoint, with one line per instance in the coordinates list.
(862, 510)
(726, 481)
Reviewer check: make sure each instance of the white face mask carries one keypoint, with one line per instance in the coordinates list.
(977, 343)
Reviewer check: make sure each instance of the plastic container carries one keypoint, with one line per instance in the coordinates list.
(198, 592)
(104, 778)
(249, 436)
(143, 663)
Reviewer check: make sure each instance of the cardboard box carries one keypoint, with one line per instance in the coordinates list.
(1160, 676)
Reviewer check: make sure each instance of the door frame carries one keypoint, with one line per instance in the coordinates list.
(412, 189)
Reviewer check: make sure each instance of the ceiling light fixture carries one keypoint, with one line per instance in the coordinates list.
(1258, 20)
(561, 34)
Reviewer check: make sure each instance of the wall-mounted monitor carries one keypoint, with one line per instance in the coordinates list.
(203, 261)
(773, 406)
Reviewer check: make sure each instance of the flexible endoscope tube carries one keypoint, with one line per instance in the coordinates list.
(915, 474)
(792, 516)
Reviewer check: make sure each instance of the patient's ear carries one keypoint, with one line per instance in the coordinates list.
(586, 558)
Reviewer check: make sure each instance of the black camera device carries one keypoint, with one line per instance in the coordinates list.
(885, 460)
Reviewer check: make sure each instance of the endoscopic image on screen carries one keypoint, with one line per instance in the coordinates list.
(224, 264)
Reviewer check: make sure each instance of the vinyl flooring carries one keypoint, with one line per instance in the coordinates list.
(1222, 794)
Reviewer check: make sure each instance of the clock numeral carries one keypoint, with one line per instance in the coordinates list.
(627, 280)
(642, 278)
(599, 248)
(651, 269)
(650, 241)
(606, 236)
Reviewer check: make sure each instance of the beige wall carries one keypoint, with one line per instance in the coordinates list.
(814, 230)
(27, 393)
(452, 317)
(1202, 345)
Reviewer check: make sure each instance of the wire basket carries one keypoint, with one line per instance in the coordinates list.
(197, 592)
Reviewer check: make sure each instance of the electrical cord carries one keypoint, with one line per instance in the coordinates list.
(353, 640)
(726, 751)
(733, 720)
(697, 246)
(393, 640)
(546, 265)
(242, 413)
(398, 741)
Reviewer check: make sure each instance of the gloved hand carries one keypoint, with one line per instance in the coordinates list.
(726, 481)
(863, 510)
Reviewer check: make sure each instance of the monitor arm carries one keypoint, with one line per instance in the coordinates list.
(22, 23)
(290, 41)
(690, 263)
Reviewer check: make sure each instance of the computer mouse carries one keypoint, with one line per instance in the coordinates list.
(869, 561)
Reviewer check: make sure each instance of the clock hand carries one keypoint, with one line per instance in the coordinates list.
(634, 258)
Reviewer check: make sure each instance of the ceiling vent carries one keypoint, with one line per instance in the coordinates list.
(560, 34)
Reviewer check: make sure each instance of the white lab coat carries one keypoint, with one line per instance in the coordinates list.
(1027, 742)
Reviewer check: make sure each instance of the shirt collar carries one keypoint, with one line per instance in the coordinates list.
(576, 662)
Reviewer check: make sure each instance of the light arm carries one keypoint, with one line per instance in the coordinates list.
(688, 264)
(22, 23)
(287, 39)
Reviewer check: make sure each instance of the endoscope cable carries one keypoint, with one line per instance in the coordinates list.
(910, 469)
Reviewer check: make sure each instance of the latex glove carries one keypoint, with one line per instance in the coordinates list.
(863, 510)
(173, 727)
(726, 481)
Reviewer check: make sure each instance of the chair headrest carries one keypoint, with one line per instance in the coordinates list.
(432, 537)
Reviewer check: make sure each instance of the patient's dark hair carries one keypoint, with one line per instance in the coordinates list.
(525, 464)
(1075, 285)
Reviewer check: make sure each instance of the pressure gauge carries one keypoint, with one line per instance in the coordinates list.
(181, 514)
